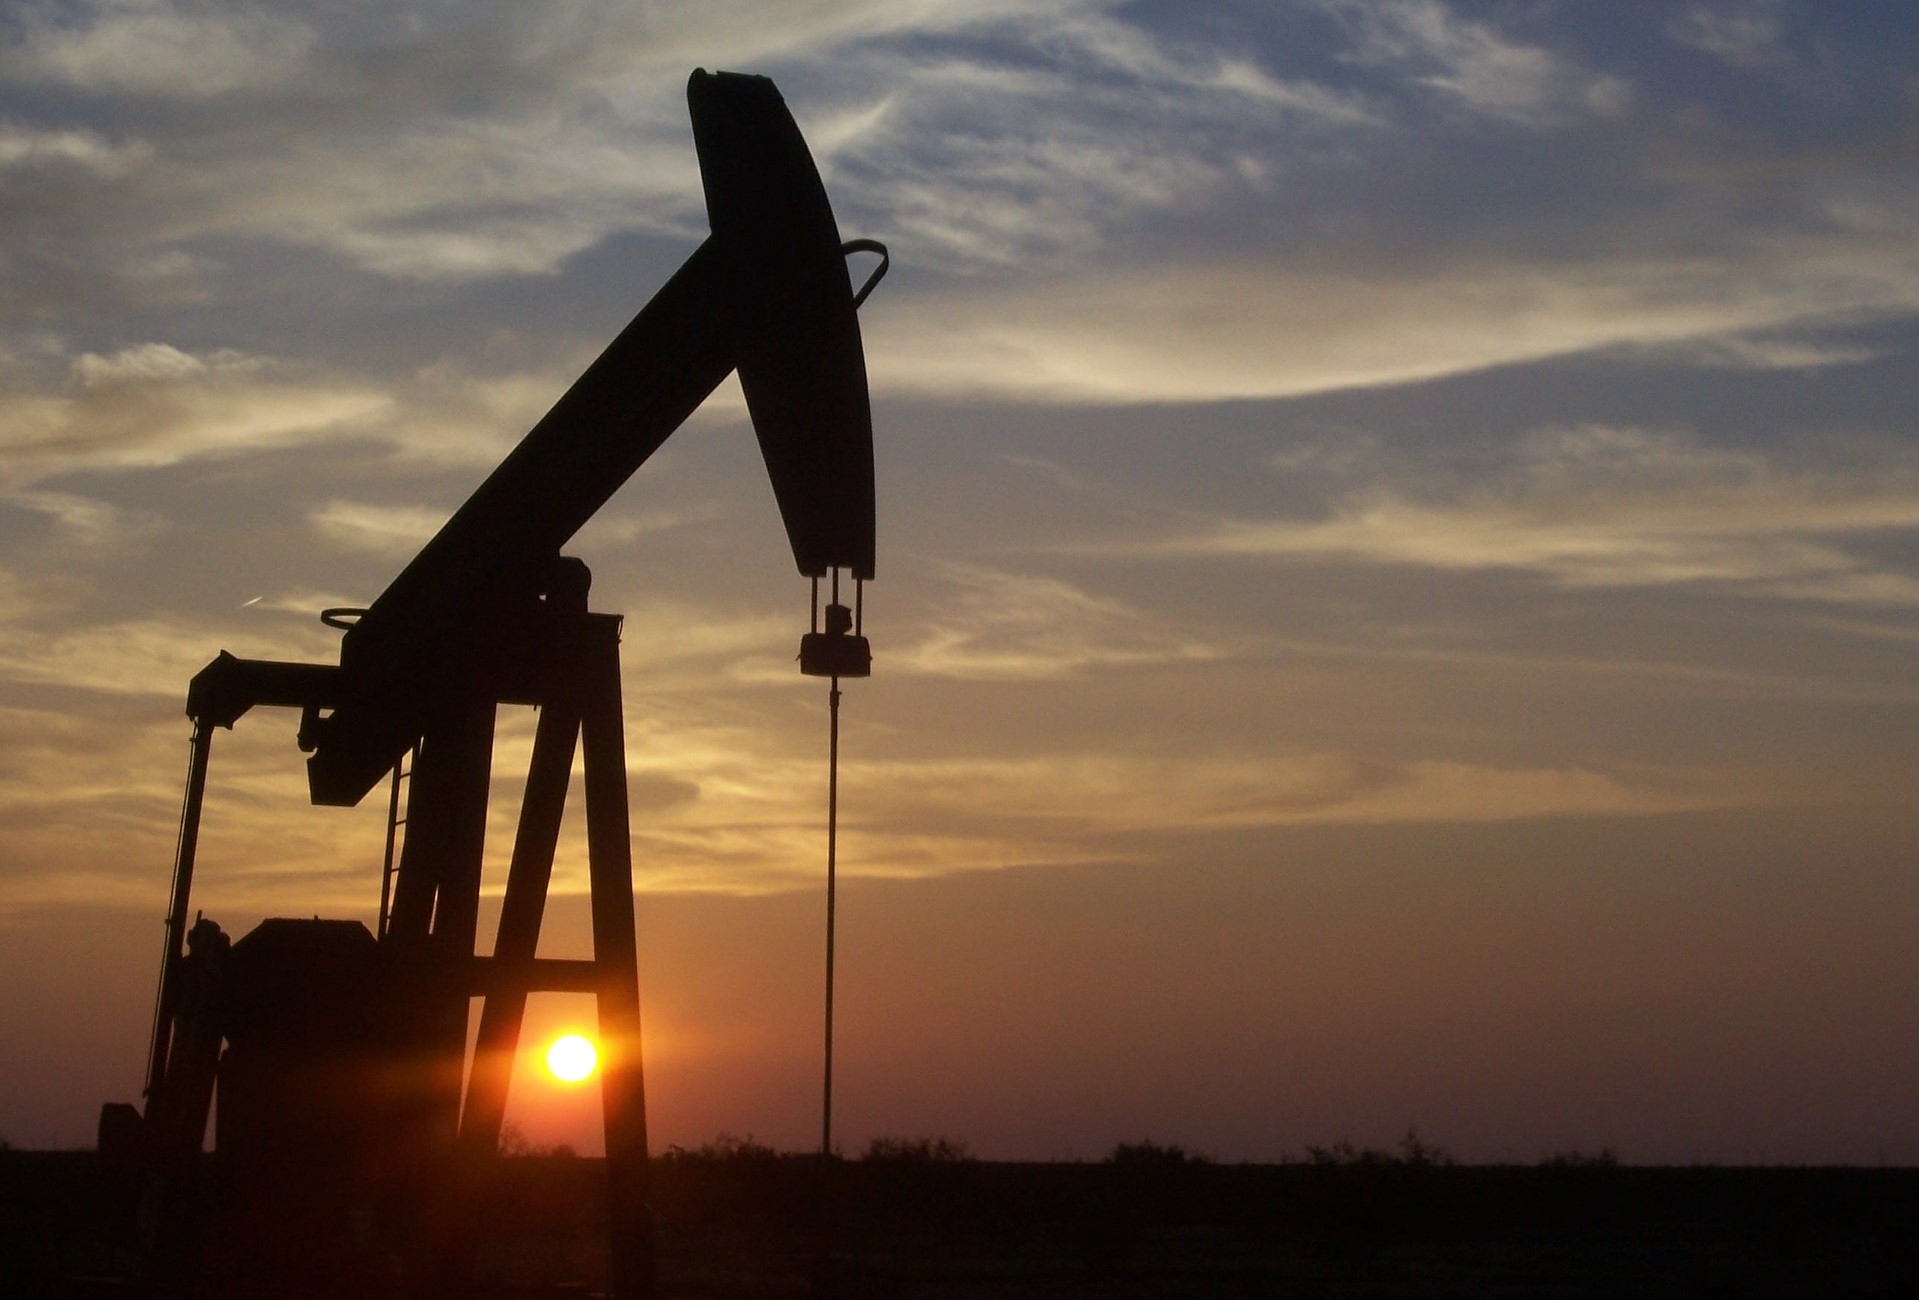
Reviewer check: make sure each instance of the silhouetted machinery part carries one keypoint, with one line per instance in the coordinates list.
(348, 1116)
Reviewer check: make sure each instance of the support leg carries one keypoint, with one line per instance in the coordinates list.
(609, 853)
(519, 936)
(429, 944)
(449, 805)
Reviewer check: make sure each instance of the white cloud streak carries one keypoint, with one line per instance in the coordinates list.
(1018, 627)
(1477, 67)
(155, 404)
(1265, 328)
(26, 148)
(389, 530)
(446, 145)
(86, 519)
(1118, 795)
(153, 48)
(1745, 35)
(1608, 507)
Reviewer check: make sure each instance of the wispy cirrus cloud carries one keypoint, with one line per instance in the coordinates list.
(1476, 66)
(151, 656)
(386, 529)
(1000, 626)
(87, 519)
(1598, 507)
(1061, 128)
(452, 146)
(153, 48)
(155, 404)
(1207, 330)
(24, 149)
(481, 146)
(1075, 795)
(1744, 33)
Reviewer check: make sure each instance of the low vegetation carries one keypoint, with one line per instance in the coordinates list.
(1413, 1152)
(731, 1149)
(1147, 1153)
(514, 1142)
(1604, 1158)
(917, 1150)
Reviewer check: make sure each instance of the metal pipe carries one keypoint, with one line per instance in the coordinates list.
(832, 866)
(189, 843)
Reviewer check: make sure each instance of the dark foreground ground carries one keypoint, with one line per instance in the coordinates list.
(939, 1230)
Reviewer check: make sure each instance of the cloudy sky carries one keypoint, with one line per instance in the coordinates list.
(1399, 554)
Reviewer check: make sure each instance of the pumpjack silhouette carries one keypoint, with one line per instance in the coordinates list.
(349, 1115)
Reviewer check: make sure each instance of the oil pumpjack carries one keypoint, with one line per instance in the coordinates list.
(347, 1109)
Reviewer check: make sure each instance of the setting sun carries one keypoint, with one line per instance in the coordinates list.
(571, 1057)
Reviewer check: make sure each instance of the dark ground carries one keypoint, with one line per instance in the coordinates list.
(956, 1230)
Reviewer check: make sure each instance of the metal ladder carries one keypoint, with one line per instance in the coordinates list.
(402, 774)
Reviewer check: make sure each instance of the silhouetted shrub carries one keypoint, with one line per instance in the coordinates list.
(1148, 1153)
(1604, 1158)
(514, 1142)
(1413, 1152)
(727, 1147)
(918, 1150)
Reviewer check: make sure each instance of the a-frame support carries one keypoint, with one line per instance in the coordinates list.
(436, 905)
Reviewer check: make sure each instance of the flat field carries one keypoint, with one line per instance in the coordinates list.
(769, 1227)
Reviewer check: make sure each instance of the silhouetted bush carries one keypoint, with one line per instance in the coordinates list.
(1147, 1153)
(918, 1150)
(1413, 1152)
(729, 1148)
(514, 1142)
(1604, 1158)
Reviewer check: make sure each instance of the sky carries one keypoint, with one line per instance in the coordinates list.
(1398, 565)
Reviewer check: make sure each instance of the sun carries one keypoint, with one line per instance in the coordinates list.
(572, 1057)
